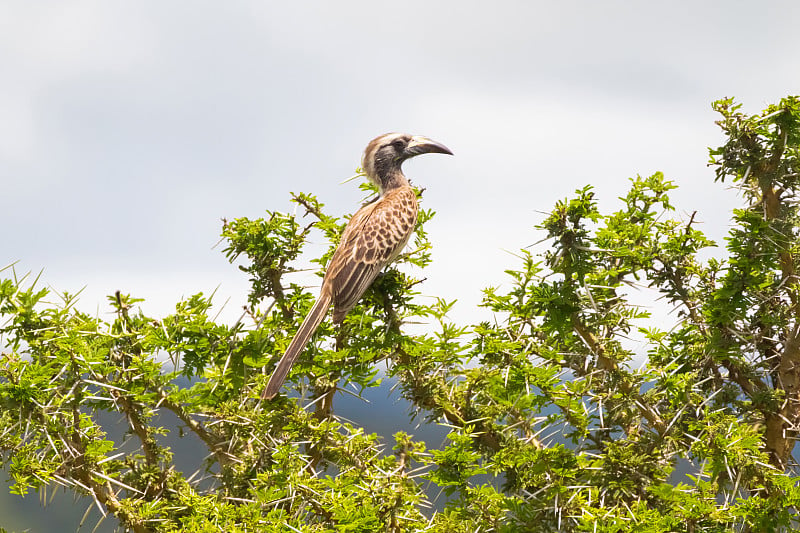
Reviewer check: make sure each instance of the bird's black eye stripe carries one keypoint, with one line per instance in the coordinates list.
(398, 144)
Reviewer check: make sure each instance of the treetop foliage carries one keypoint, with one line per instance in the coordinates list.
(552, 425)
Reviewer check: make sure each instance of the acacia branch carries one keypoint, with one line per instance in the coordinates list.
(782, 425)
(213, 442)
(608, 364)
(82, 472)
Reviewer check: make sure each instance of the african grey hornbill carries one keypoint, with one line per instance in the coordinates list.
(373, 238)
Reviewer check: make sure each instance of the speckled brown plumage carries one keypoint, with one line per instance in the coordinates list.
(373, 238)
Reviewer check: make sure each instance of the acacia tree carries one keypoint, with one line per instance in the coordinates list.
(550, 426)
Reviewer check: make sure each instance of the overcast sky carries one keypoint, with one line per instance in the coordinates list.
(129, 129)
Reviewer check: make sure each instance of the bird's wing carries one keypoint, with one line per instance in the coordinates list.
(375, 235)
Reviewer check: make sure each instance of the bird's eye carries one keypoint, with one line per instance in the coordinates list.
(398, 144)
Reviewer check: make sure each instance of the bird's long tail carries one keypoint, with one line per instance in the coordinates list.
(309, 326)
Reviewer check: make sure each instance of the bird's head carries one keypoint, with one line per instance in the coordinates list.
(384, 157)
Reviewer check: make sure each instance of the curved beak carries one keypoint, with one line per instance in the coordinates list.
(422, 145)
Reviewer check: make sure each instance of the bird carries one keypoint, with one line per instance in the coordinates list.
(374, 236)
